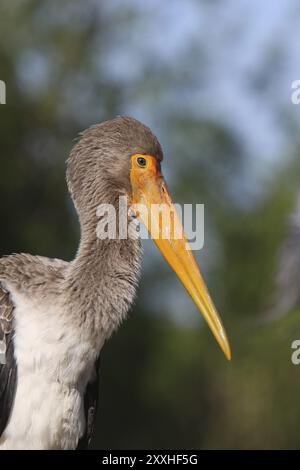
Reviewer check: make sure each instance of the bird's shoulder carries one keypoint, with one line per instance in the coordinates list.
(25, 272)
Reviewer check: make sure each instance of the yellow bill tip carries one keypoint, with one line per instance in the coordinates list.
(220, 335)
(226, 349)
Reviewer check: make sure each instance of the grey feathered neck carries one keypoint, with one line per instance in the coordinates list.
(103, 277)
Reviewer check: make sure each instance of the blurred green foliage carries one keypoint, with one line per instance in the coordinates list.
(164, 384)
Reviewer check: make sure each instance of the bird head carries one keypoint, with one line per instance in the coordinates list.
(122, 156)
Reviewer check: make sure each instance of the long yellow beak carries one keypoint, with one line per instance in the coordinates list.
(154, 207)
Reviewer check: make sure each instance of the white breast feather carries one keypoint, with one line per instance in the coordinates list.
(54, 365)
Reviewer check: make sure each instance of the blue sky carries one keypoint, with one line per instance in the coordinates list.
(250, 58)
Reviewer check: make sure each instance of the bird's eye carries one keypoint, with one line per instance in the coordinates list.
(142, 162)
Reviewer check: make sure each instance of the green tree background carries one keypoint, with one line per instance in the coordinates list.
(67, 65)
